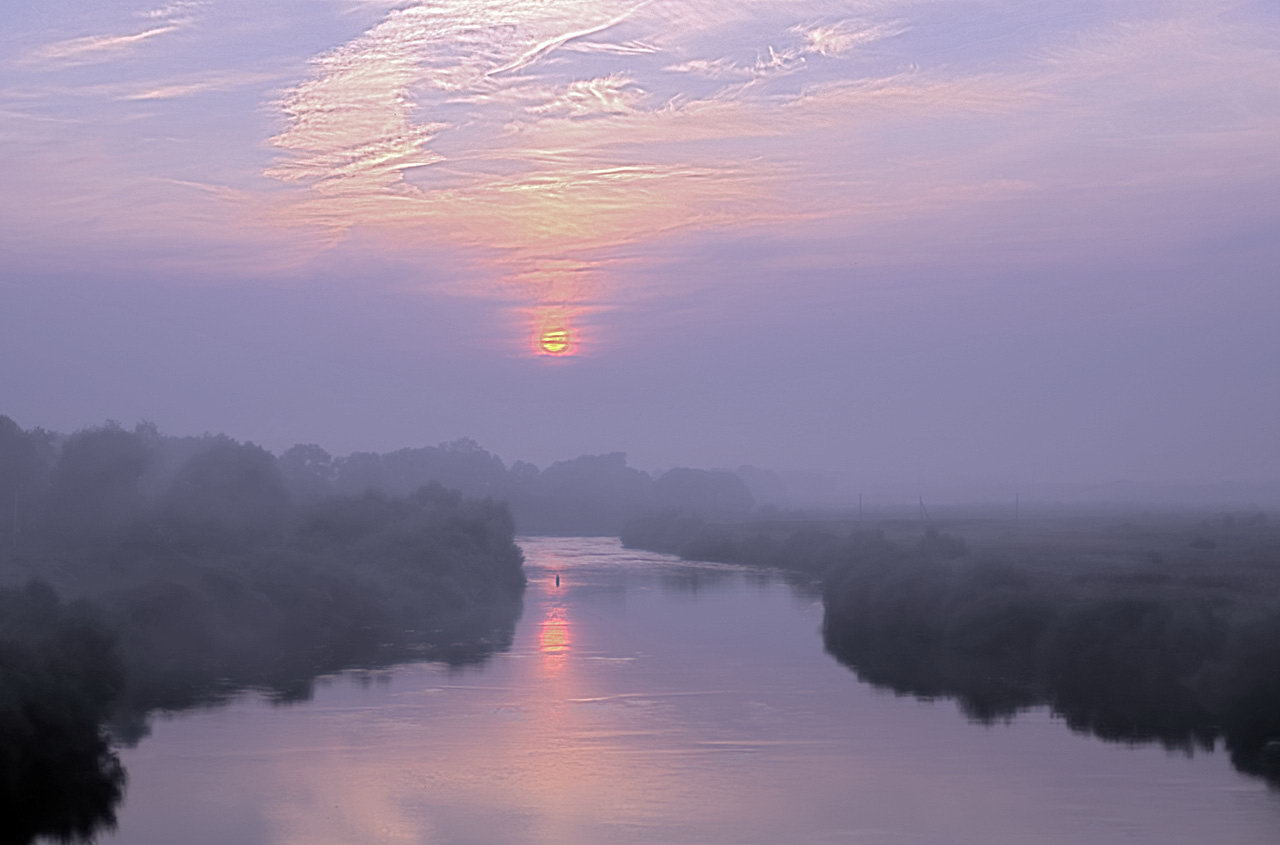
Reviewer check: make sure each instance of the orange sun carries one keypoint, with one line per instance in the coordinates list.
(554, 341)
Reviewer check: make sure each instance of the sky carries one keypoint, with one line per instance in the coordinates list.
(969, 241)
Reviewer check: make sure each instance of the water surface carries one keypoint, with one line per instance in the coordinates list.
(651, 700)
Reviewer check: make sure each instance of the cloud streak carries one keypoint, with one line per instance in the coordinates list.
(93, 49)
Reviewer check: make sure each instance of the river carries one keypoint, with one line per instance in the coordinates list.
(652, 700)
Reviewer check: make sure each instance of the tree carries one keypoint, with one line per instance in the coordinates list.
(22, 475)
(593, 493)
(358, 472)
(96, 484)
(230, 494)
(308, 472)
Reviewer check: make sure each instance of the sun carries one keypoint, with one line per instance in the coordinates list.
(554, 331)
(554, 341)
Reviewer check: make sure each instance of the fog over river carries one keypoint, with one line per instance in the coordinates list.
(651, 700)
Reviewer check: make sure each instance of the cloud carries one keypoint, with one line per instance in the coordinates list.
(524, 176)
(616, 94)
(191, 86)
(174, 11)
(92, 49)
(149, 90)
(726, 68)
(352, 132)
(559, 40)
(840, 38)
(829, 41)
(627, 48)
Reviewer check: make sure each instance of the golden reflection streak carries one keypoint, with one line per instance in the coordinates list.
(567, 776)
(555, 637)
(555, 633)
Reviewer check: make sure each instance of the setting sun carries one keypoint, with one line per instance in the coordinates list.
(554, 341)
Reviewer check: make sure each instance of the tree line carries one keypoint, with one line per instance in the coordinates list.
(589, 494)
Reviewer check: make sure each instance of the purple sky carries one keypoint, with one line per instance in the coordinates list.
(928, 241)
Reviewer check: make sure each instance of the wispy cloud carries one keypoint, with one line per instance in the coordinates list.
(839, 38)
(90, 49)
(163, 88)
(189, 86)
(95, 48)
(175, 11)
(829, 41)
(626, 48)
(771, 63)
(615, 94)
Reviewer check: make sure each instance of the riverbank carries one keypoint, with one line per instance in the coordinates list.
(1143, 628)
(94, 637)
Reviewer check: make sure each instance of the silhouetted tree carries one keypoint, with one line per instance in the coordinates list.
(358, 472)
(96, 484)
(24, 469)
(460, 464)
(308, 472)
(231, 494)
(593, 493)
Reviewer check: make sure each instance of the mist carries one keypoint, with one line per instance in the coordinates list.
(1079, 378)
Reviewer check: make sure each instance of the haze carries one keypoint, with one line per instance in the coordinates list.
(947, 243)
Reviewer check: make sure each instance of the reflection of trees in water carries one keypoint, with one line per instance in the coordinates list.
(58, 673)
(1143, 648)
(1182, 670)
(468, 637)
(693, 581)
(57, 770)
(72, 800)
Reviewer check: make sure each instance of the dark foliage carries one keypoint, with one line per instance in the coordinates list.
(59, 673)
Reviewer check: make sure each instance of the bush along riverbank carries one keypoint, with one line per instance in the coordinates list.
(119, 602)
(1166, 631)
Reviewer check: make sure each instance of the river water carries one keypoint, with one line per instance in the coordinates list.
(651, 700)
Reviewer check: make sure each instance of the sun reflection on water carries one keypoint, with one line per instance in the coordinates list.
(555, 638)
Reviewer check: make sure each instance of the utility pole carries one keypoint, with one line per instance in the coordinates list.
(924, 513)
